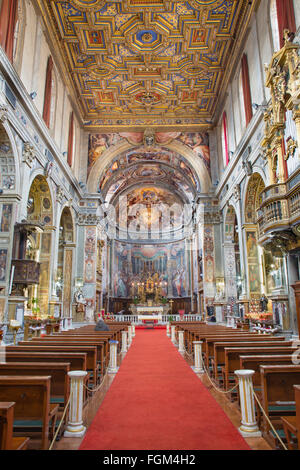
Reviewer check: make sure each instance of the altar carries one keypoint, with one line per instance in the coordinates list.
(147, 312)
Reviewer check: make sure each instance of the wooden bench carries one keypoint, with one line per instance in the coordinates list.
(291, 424)
(233, 354)
(91, 354)
(32, 410)
(60, 381)
(218, 359)
(102, 346)
(278, 396)
(7, 441)
(214, 351)
(76, 360)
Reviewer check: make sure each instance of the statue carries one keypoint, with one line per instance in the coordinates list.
(263, 303)
(80, 301)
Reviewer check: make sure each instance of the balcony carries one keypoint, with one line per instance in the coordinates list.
(280, 208)
(26, 271)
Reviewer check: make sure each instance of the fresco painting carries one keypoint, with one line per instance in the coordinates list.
(198, 142)
(134, 262)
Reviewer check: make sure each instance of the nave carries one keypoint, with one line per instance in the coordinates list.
(139, 392)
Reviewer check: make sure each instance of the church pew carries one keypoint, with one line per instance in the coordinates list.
(254, 363)
(32, 403)
(291, 424)
(7, 440)
(91, 352)
(218, 359)
(76, 360)
(101, 344)
(60, 382)
(215, 353)
(233, 354)
(278, 396)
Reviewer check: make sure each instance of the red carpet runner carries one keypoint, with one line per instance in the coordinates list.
(156, 402)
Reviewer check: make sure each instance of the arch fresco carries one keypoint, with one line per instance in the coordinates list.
(192, 150)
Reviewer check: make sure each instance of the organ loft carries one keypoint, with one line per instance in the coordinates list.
(149, 225)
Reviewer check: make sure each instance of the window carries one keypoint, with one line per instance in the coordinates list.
(245, 82)
(282, 17)
(225, 139)
(8, 19)
(71, 140)
(48, 92)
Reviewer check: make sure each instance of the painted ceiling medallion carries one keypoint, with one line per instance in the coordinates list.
(199, 4)
(88, 4)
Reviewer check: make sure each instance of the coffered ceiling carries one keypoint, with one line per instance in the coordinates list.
(146, 62)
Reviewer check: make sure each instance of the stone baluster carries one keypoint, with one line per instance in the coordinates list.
(168, 330)
(198, 364)
(113, 368)
(75, 426)
(173, 335)
(129, 336)
(249, 427)
(181, 341)
(124, 342)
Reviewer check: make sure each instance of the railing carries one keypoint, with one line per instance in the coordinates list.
(280, 207)
(164, 318)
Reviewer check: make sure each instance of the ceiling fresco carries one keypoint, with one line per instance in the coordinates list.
(145, 62)
(198, 142)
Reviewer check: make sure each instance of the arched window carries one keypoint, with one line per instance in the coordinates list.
(48, 92)
(71, 140)
(246, 89)
(8, 19)
(282, 17)
(225, 139)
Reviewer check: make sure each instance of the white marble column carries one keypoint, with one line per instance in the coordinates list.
(129, 336)
(248, 426)
(181, 341)
(133, 330)
(198, 364)
(113, 368)
(124, 342)
(168, 330)
(75, 426)
(173, 337)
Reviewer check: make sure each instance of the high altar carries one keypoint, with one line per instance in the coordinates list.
(149, 294)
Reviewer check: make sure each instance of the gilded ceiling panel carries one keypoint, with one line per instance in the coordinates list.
(145, 62)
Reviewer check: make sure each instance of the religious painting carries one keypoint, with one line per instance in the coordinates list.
(3, 264)
(253, 261)
(135, 262)
(6, 215)
(251, 244)
(46, 243)
(90, 255)
(98, 143)
(199, 143)
(67, 283)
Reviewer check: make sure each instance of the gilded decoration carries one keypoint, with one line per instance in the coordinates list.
(146, 62)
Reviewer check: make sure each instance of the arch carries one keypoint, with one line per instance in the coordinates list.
(40, 210)
(10, 179)
(65, 260)
(253, 189)
(109, 154)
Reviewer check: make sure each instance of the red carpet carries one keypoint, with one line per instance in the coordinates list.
(156, 402)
